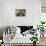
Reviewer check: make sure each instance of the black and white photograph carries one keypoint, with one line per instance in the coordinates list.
(20, 12)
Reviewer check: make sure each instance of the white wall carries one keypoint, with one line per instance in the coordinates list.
(36, 7)
(0, 12)
(32, 12)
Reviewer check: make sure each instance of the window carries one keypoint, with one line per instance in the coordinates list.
(43, 6)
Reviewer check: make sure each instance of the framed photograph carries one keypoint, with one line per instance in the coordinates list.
(20, 12)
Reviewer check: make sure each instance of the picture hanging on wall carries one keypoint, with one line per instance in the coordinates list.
(20, 12)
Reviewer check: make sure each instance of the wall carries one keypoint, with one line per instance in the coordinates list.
(32, 12)
(36, 7)
(0, 12)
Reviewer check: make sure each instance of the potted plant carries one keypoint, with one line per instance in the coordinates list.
(34, 39)
(41, 27)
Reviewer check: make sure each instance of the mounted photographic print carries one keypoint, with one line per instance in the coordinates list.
(20, 12)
